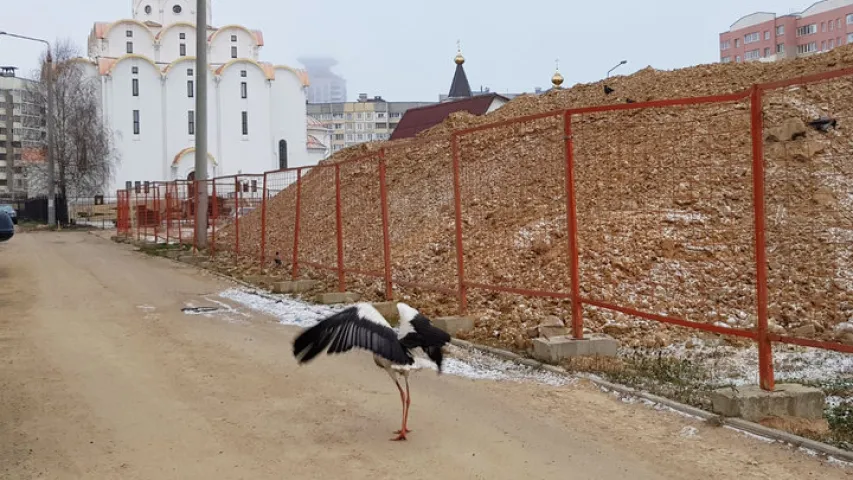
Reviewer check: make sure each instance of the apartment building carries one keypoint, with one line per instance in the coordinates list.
(366, 120)
(22, 126)
(764, 36)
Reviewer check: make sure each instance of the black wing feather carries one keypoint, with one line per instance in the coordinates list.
(428, 337)
(345, 330)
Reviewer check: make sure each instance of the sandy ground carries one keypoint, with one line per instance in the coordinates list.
(103, 377)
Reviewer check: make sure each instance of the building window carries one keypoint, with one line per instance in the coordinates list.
(780, 48)
(282, 154)
(822, 26)
(135, 87)
(849, 19)
(233, 52)
(182, 36)
(831, 25)
(190, 88)
(780, 30)
(233, 38)
(823, 46)
(767, 35)
(245, 123)
(737, 42)
(807, 48)
(339, 136)
(183, 50)
(838, 23)
(136, 122)
(243, 73)
(244, 90)
(191, 122)
(349, 116)
(339, 126)
(737, 59)
(148, 9)
(767, 52)
(380, 115)
(134, 70)
(831, 43)
(849, 38)
(807, 30)
(358, 116)
(752, 55)
(177, 9)
(129, 33)
(129, 47)
(751, 38)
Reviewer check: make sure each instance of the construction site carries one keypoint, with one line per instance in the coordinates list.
(665, 209)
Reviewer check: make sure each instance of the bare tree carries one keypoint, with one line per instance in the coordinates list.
(84, 157)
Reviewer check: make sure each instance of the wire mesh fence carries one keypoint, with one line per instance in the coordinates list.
(728, 214)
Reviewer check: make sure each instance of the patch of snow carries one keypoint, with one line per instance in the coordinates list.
(751, 435)
(459, 362)
(688, 432)
(739, 365)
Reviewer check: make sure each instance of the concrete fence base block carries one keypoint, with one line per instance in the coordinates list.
(454, 325)
(752, 403)
(555, 349)
(333, 298)
(389, 311)
(191, 259)
(296, 286)
(257, 279)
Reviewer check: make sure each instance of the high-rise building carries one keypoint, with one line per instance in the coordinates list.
(768, 37)
(368, 119)
(22, 128)
(145, 67)
(326, 86)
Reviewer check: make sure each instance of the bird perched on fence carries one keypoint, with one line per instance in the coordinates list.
(415, 345)
(277, 259)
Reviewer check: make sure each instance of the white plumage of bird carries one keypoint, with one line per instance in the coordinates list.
(415, 345)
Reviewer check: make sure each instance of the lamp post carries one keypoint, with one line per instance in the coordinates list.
(51, 186)
(623, 62)
(201, 73)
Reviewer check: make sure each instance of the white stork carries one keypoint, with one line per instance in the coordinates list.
(416, 344)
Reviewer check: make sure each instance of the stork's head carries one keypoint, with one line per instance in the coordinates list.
(407, 313)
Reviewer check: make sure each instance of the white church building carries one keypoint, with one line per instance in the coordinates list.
(145, 65)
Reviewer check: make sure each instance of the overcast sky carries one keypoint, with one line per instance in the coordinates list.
(403, 50)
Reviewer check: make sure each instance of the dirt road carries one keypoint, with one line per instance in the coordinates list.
(103, 377)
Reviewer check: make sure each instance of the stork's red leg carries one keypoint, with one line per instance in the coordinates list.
(401, 433)
(406, 409)
(408, 402)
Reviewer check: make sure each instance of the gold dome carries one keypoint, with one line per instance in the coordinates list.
(557, 79)
(459, 59)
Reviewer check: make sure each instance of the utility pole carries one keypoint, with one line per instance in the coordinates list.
(201, 73)
(51, 181)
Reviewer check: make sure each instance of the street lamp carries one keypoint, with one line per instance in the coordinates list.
(51, 187)
(623, 62)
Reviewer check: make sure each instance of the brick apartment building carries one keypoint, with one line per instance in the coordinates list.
(768, 37)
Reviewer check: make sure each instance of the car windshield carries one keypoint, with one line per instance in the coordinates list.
(7, 208)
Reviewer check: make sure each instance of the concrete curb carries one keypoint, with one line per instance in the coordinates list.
(734, 423)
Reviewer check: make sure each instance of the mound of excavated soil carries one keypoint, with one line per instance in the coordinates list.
(664, 207)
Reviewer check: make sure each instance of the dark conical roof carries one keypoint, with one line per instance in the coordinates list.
(460, 87)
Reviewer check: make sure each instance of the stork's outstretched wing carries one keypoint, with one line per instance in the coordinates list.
(359, 326)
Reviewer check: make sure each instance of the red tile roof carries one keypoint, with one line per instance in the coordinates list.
(416, 120)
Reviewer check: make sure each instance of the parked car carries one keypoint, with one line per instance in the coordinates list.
(10, 210)
(7, 228)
